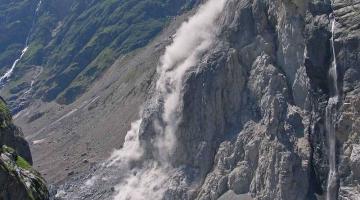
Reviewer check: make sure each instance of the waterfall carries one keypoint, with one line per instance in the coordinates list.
(38, 7)
(330, 123)
(8, 73)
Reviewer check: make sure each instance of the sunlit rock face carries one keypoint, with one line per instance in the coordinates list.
(240, 112)
(253, 114)
(250, 115)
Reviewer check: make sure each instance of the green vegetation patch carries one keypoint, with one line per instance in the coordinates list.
(22, 163)
(7, 149)
(90, 38)
(15, 24)
(76, 41)
(5, 115)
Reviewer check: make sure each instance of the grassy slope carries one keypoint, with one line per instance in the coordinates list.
(76, 40)
(5, 115)
(16, 18)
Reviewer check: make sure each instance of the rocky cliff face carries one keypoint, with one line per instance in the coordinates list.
(280, 54)
(17, 178)
(237, 110)
(249, 118)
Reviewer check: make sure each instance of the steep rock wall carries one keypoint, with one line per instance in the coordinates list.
(18, 181)
(254, 116)
(252, 111)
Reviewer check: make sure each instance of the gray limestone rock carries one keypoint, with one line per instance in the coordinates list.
(240, 178)
(253, 111)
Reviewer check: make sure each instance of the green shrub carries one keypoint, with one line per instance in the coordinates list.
(22, 163)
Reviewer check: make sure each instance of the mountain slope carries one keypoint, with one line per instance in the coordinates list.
(97, 121)
(255, 117)
(72, 42)
(236, 99)
(16, 21)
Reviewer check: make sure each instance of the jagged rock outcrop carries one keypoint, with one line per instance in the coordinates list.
(253, 111)
(11, 135)
(254, 114)
(18, 181)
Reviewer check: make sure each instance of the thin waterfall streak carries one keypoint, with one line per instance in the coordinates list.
(330, 122)
(8, 73)
(38, 7)
(334, 68)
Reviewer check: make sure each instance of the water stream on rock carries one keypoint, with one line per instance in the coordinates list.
(8, 73)
(330, 123)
